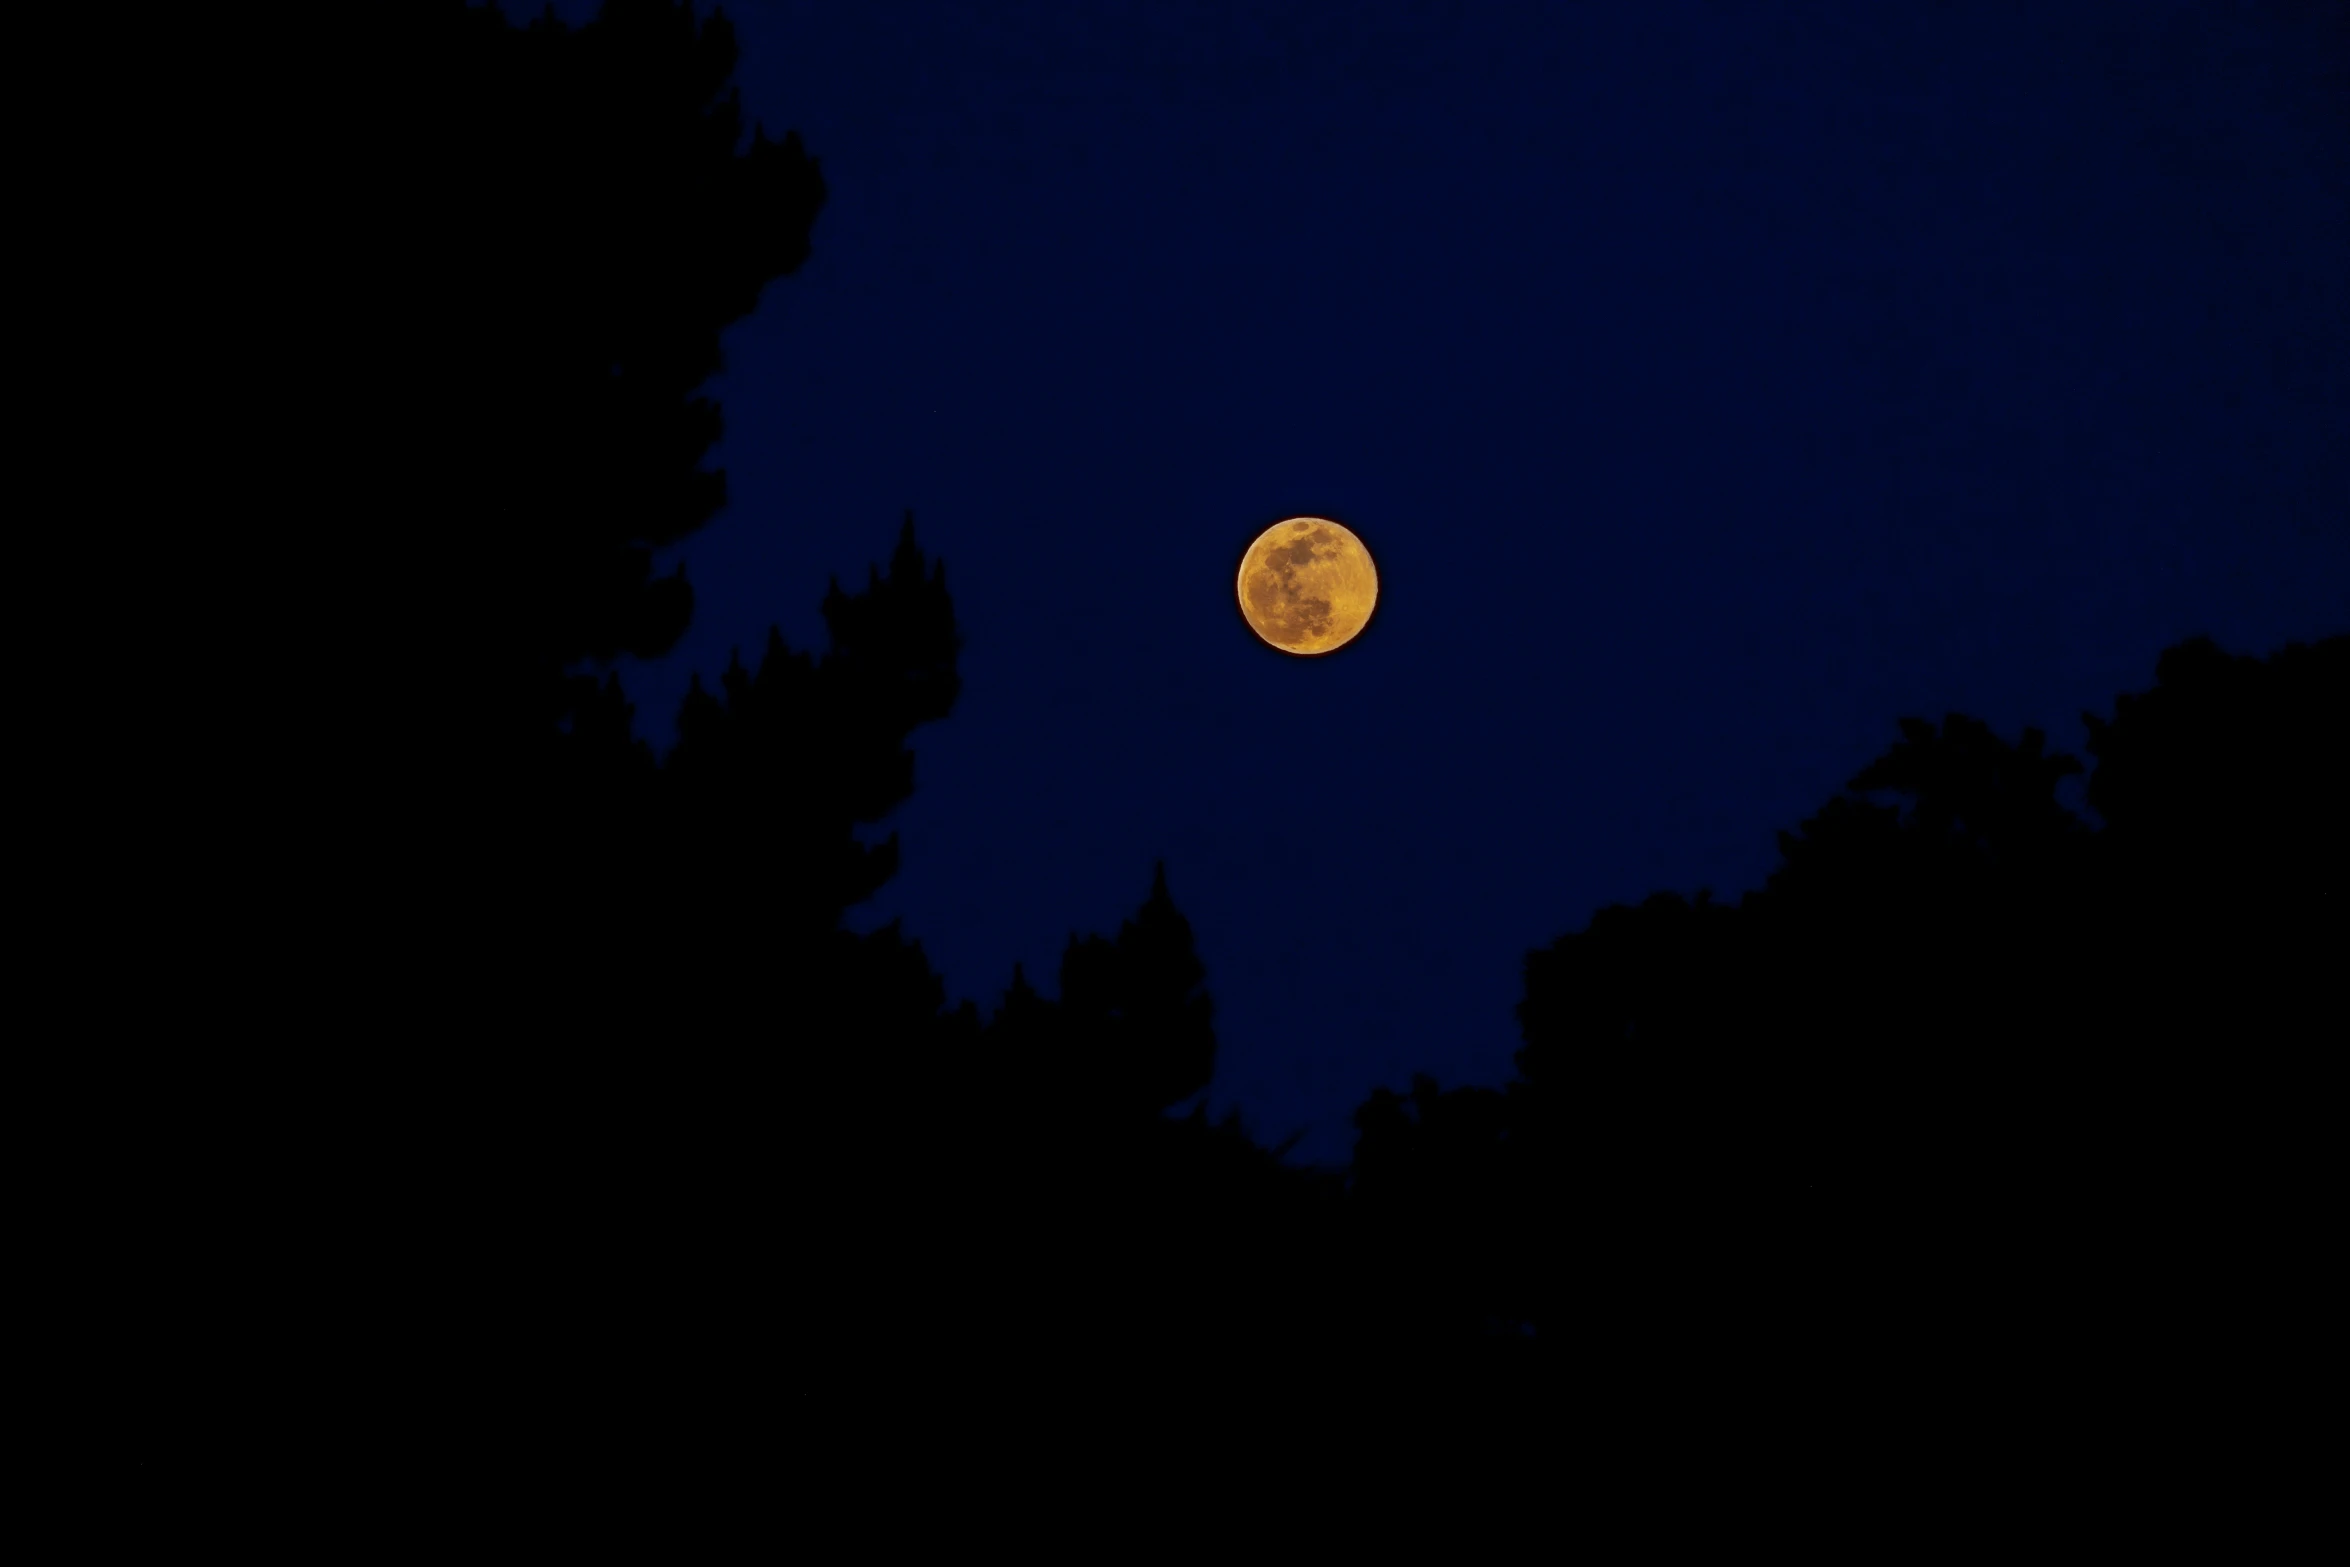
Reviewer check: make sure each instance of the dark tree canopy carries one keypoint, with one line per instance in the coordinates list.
(598, 224)
(687, 1103)
(1964, 1072)
(675, 1167)
(1139, 1004)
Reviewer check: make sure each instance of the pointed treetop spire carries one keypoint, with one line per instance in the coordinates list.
(905, 562)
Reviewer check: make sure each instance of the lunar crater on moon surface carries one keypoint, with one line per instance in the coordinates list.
(1307, 585)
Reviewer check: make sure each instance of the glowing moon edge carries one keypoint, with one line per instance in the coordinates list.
(1307, 585)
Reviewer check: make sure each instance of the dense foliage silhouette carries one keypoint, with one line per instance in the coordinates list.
(760, 1127)
(1969, 1102)
(693, 1172)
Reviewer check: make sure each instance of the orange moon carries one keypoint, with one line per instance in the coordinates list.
(1307, 585)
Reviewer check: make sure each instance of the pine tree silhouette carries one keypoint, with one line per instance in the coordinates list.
(1142, 1005)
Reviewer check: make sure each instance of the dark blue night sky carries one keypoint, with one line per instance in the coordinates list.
(1715, 384)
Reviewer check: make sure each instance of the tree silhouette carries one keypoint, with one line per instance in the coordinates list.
(1139, 1005)
(759, 1121)
(685, 1158)
(603, 228)
(644, 1157)
(1143, 1241)
(587, 225)
(2227, 852)
(2221, 792)
(1968, 1074)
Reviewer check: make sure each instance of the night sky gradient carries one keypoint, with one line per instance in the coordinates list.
(1715, 384)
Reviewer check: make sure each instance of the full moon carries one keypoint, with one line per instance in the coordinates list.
(1307, 585)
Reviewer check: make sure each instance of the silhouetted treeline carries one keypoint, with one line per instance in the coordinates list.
(678, 1115)
(1968, 1106)
(689, 1169)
